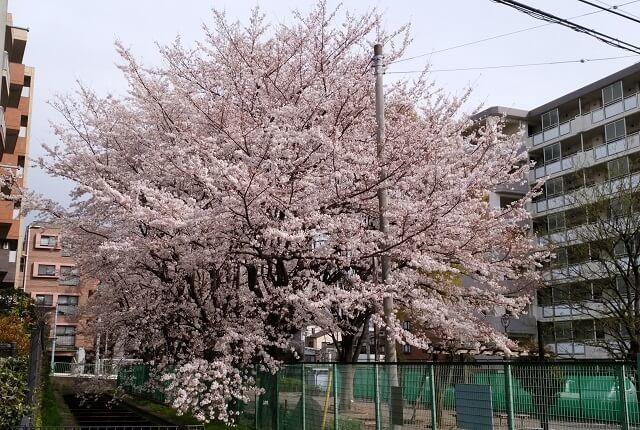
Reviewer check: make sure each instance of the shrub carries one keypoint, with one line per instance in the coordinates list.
(13, 386)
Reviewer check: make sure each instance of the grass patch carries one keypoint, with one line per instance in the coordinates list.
(49, 410)
(169, 414)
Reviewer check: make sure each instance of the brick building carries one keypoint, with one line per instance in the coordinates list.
(15, 113)
(49, 275)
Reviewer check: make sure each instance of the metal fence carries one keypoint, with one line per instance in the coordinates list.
(115, 427)
(102, 369)
(559, 395)
(498, 395)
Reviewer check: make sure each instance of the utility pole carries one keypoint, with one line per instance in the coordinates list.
(395, 398)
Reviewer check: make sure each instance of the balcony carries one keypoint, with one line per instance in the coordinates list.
(19, 37)
(585, 194)
(565, 163)
(586, 121)
(6, 72)
(586, 158)
(610, 110)
(566, 128)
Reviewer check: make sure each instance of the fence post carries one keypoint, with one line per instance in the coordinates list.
(624, 410)
(508, 392)
(277, 396)
(335, 396)
(304, 403)
(376, 396)
(434, 401)
(257, 399)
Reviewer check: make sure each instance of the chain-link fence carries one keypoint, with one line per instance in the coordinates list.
(558, 395)
(498, 395)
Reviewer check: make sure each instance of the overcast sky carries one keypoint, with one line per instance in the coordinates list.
(72, 40)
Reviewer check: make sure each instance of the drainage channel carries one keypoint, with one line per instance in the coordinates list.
(105, 413)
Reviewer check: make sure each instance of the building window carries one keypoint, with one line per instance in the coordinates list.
(406, 325)
(48, 241)
(612, 93)
(506, 202)
(556, 222)
(65, 335)
(618, 167)
(550, 119)
(614, 130)
(554, 187)
(68, 276)
(46, 270)
(560, 259)
(68, 300)
(552, 153)
(44, 299)
(406, 348)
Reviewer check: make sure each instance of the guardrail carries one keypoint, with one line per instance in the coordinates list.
(107, 369)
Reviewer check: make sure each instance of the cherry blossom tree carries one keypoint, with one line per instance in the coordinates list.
(229, 199)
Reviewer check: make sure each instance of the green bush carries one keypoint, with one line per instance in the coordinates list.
(13, 386)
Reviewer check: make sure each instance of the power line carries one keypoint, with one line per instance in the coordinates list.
(511, 66)
(498, 36)
(545, 16)
(618, 8)
(610, 10)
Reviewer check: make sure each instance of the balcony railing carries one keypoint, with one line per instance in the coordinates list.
(597, 153)
(565, 163)
(587, 120)
(608, 187)
(612, 109)
(552, 133)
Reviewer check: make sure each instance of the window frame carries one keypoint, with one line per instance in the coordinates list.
(617, 172)
(614, 98)
(552, 150)
(45, 302)
(49, 237)
(549, 116)
(615, 125)
(558, 226)
(41, 265)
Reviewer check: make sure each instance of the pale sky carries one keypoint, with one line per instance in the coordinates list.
(72, 40)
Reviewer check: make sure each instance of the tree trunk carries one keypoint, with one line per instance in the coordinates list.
(347, 373)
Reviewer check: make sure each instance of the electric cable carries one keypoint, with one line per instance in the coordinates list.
(498, 36)
(510, 66)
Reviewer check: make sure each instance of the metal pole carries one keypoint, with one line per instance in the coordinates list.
(277, 405)
(304, 409)
(383, 226)
(376, 397)
(508, 385)
(335, 395)
(257, 400)
(432, 389)
(624, 410)
(53, 341)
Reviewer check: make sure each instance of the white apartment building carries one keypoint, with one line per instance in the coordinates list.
(586, 138)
